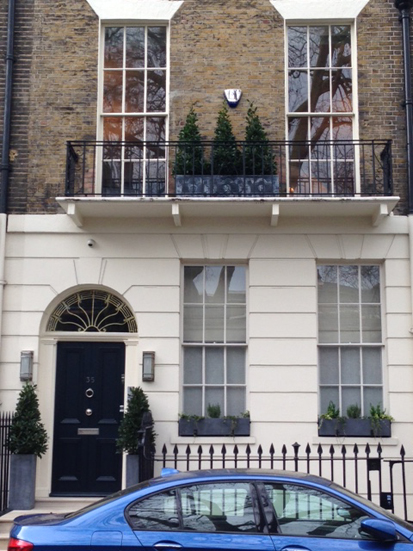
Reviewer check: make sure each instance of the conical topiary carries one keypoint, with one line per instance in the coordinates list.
(259, 157)
(27, 434)
(226, 156)
(189, 154)
(131, 423)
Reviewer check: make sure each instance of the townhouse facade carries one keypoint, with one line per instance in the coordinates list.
(266, 294)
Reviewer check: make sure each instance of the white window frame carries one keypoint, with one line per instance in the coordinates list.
(358, 345)
(314, 20)
(101, 115)
(204, 345)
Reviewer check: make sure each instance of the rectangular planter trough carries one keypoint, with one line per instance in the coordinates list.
(355, 427)
(214, 427)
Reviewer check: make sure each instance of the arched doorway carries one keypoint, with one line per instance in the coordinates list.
(89, 392)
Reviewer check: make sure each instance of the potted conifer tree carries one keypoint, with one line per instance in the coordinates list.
(27, 440)
(130, 430)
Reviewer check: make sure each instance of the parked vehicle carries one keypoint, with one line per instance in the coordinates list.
(221, 509)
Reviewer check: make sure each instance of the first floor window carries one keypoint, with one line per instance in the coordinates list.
(350, 337)
(214, 340)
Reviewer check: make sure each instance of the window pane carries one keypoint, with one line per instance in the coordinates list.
(236, 284)
(371, 322)
(214, 366)
(298, 91)
(112, 129)
(372, 397)
(134, 133)
(372, 366)
(193, 284)
(320, 91)
(328, 394)
(235, 366)
(236, 324)
(297, 46)
(327, 284)
(193, 401)
(342, 87)
(341, 46)
(350, 365)
(298, 132)
(112, 93)
(135, 47)
(134, 91)
(156, 46)
(113, 47)
(235, 401)
(155, 130)
(156, 91)
(214, 396)
(349, 284)
(214, 323)
(370, 284)
(193, 323)
(349, 324)
(343, 130)
(328, 323)
(158, 513)
(319, 47)
(193, 366)
(329, 366)
(351, 396)
(215, 284)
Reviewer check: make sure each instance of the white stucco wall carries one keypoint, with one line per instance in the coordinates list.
(48, 257)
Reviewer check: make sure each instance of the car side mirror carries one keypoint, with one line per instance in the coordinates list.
(380, 530)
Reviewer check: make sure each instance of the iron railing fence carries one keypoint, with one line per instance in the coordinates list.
(240, 169)
(361, 469)
(5, 424)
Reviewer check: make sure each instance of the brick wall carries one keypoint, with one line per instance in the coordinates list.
(215, 44)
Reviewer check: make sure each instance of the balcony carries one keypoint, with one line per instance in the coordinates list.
(236, 178)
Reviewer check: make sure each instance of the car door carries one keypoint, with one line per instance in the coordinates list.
(308, 519)
(201, 517)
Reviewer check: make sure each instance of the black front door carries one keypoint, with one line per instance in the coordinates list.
(89, 393)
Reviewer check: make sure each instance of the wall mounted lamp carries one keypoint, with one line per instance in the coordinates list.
(26, 365)
(148, 366)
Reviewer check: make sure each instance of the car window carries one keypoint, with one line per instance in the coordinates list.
(218, 507)
(157, 512)
(303, 511)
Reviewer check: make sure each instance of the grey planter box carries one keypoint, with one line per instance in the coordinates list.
(22, 481)
(354, 428)
(132, 469)
(226, 186)
(214, 427)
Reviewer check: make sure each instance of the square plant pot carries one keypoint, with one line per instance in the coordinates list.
(354, 427)
(214, 427)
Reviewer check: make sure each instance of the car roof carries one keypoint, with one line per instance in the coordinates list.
(208, 474)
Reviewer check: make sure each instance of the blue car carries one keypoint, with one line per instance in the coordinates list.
(235, 510)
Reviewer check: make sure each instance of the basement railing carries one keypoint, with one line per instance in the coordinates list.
(239, 169)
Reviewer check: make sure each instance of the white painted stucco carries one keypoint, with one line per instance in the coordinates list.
(319, 9)
(130, 10)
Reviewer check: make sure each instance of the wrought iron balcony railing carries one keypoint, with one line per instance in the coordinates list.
(241, 169)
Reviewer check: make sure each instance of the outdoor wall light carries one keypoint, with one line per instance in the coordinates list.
(148, 366)
(26, 365)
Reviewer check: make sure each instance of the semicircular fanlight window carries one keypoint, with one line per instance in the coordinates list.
(92, 311)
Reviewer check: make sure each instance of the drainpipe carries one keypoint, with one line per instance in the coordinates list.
(5, 161)
(404, 6)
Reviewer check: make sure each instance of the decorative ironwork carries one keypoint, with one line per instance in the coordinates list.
(92, 311)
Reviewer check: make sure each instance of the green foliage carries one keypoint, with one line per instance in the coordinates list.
(27, 433)
(354, 411)
(259, 159)
(376, 413)
(226, 157)
(332, 412)
(189, 154)
(214, 411)
(131, 423)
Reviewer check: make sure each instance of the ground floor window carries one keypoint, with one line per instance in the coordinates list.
(350, 337)
(214, 340)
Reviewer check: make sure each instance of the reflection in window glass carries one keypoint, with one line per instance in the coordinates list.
(350, 337)
(158, 513)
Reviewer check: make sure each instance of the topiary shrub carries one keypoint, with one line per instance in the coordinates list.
(259, 156)
(131, 424)
(27, 434)
(189, 154)
(226, 157)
